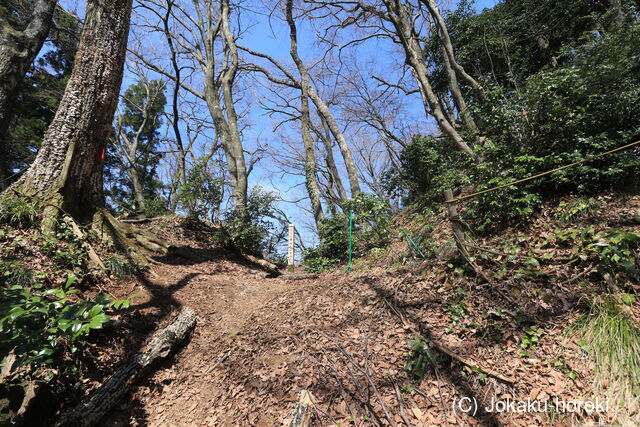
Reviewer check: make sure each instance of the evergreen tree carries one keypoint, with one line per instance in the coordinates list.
(132, 159)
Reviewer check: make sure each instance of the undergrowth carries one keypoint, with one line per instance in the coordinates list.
(610, 335)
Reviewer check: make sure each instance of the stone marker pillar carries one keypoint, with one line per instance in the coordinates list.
(292, 229)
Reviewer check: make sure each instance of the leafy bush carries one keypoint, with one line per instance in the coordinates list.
(36, 324)
(314, 262)
(428, 167)
(420, 359)
(587, 104)
(371, 229)
(119, 266)
(617, 252)
(13, 273)
(249, 230)
(17, 211)
(201, 194)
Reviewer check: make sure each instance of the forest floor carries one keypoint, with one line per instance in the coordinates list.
(345, 338)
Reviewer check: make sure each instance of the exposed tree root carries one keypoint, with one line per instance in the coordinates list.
(127, 238)
(93, 256)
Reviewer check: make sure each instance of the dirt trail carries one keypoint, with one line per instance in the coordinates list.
(344, 337)
(224, 295)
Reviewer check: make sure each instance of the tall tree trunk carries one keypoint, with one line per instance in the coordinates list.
(458, 99)
(327, 115)
(67, 172)
(336, 181)
(138, 192)
(447, 45)
(182, 155)
(398, 16)
(226, 122)
(310, 167)
(18, 49)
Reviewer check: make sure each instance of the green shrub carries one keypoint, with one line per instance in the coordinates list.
(36, 323)
(617, 252)
(201, 194)
(371, 229)
(586, 105)
(421, 360)
(314, 262)
(119, 266)
(13, 273)
(17, 211)
(249, 230)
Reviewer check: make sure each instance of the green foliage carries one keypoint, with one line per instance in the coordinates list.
(371, 229)
(201, 194)
(426, 170)
(314, 262)
(558, 91)
(140, 116)
(65, 248)
(530, 339)
(41, 90)
(421, 360)
(610, 335)
(457, 306)
(13, 273)
(18, 212)
(617, 252)
(250, 229)
(578, 209)
(119, 266)
(38, 324)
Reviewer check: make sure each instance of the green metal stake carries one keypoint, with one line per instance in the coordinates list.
(350, 241)
(416, 246)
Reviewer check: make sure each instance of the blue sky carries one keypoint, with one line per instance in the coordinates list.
(271, 37)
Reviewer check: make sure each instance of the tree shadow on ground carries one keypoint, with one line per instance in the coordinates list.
(448, 375)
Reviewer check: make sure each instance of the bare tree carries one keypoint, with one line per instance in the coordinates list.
(400, 21)
(203, 33)
(327, 116)
(18, 49)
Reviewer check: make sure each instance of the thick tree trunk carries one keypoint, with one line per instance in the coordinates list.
(67, 172)
(310, 167)
(18, 49)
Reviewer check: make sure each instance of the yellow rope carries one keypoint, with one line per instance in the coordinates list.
(588, 159)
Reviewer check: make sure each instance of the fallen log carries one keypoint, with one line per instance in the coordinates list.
(98, 403)
(302, 413)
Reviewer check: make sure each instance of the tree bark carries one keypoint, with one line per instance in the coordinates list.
(398, 16)
(447, 45)
(327, 115)
(310, 168)
(227, 126)
(18, 49)
(336, 181)
(67, 172)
